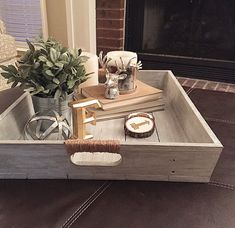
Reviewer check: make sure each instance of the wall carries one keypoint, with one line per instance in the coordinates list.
(110, 25)
(56, 19)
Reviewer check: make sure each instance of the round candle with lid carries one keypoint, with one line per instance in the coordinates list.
(121, 57)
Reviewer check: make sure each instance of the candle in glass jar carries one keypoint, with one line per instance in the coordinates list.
(121, 57)
(124, 63)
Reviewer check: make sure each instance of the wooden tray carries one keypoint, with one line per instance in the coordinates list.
(183, 148)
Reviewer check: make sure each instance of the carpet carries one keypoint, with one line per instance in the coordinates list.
(111, 204)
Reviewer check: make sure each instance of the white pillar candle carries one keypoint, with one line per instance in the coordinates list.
(91, 65)
(124, 55)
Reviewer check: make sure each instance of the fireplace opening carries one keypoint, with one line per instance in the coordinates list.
(193, 38)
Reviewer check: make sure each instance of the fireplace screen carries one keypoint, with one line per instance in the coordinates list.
(195, 28)
(193, 38)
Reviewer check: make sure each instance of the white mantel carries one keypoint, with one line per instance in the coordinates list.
(81, 24)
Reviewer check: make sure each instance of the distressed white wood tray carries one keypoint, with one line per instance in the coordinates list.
(183, 147)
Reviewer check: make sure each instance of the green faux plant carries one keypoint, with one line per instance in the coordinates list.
(48, 70)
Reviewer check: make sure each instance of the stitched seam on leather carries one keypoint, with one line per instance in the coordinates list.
(220, 120)
(221, 185)
(86, 204)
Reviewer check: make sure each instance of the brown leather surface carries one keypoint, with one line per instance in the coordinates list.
(49, 203)
(41, 203)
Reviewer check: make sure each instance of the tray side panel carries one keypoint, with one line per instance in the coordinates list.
(155, 78)
(188, 116)
(138, 163)
(12, 124)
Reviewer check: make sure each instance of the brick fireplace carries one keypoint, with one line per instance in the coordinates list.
(110, 19)
(191, 38)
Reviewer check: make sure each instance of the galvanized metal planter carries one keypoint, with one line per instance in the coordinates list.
(42, 104)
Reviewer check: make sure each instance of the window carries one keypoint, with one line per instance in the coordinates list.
(23, 19)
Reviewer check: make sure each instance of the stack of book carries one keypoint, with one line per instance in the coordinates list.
(145, 99)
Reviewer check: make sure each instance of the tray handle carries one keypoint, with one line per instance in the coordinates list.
(94, 152)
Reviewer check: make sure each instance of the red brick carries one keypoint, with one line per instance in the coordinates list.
(113, 24)
(110, 14)
(107, 49)
(231, 88)
(200, 84)
(110, 42)
(189, 82)
(110, 33)
(110, 4)
(181, 80)
(222, 87)
(211, 85)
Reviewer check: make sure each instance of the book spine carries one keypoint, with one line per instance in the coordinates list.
(132, 101)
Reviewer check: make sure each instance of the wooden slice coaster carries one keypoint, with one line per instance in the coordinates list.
(139, 125)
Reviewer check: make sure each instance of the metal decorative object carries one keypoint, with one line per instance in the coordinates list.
(111, 85)
(43, 104)
(103, 61)
(139, 125)
(57, 126)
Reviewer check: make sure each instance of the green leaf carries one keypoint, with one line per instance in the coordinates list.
(71, 84)
(59, 64)
(24, 58)
(14, 84)
(5, 68)
(57, 94)
(49, 63)
(53, 55)
(30, 89)
(46, 91)
(11, 80)
(56, 81)
(36, 65)
(63, 50)
(42, 58)
(22, 66)
(87, 74)
(74, 71)
(62, 78)
(49, 73)
(40, 88)
(43, 51)
(13, 69)
(6, 75)
(79, 52)
(64, 57)
(31, 47)
(24, 74)
(51, 86)
(25, 86)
